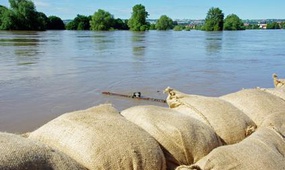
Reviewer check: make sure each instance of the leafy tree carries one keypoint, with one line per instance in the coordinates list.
(282, 24)
(252, 26)
(120, 24)
(5, 19)
(42, 21)
(25, 15)
(178, 28)
(164, 23)
(273, 25)
(80, 22)
(187, 28)
(55, 23)
(214, 20)
(71, 25)
(102, 21)
(152, 27)
(22, 16)
(233, 22)
(137, 22)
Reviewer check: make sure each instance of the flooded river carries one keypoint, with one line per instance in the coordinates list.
(45, 74)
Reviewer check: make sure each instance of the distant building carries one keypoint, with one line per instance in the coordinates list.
(262, 26)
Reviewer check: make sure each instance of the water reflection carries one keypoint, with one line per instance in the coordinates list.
(103, 40)
(25, 45)
(139, 44)
(213, 42)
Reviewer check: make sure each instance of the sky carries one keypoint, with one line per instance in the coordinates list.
(179, 9)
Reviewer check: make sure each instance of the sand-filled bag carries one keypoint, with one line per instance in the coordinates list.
(18, 153)
(279, 92)
(275, 121)
(101, 138)
(264, 149)
(230, 123)
(185, 140)
(256, 103)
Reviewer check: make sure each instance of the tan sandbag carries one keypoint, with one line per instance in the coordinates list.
(279, 92)
(256, 103)
(188, 167)
(230, 123)
(18, 153)
(263, 150)
(185, 140)
(275, 121)
(100, 138)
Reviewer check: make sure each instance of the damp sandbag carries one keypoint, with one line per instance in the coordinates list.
(229, 122)
(264, 149)
(100, 138)
(256, 103)
(18, 153)
(184, 139)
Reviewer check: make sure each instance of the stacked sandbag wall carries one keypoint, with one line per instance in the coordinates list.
(100, 138)
(244, 130)
(185, 140)
(228, 121)
(263, 150)
(18, 153)
(256, 104)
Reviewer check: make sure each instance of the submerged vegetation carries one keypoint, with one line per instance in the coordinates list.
(22, 15)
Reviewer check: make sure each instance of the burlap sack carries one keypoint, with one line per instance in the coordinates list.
(279, 92)
(188, 167)
(275, 121)
(263, 150)
(230, 123)
(185, 140)
(18, 153)
(256, 103)
(100, 138)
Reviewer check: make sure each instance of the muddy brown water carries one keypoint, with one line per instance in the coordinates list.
(46, 74)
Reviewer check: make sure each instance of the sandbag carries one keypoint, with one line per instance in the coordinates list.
(100, 138)
(263, 150)
(275, 121)
(188, 167)
(185, 140)
(18, 153)
(256, 103)
(230, 123)
(279, 92)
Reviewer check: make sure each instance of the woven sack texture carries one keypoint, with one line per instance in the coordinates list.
(100, 138)
(279, 92)
(230, 123)
(275, 121)
(185, 140)
(18, 153)
(263, 150)
(256, 103)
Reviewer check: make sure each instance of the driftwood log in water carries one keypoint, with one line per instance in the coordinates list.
(135, 97)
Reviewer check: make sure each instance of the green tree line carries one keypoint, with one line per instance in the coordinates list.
(22, 15)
